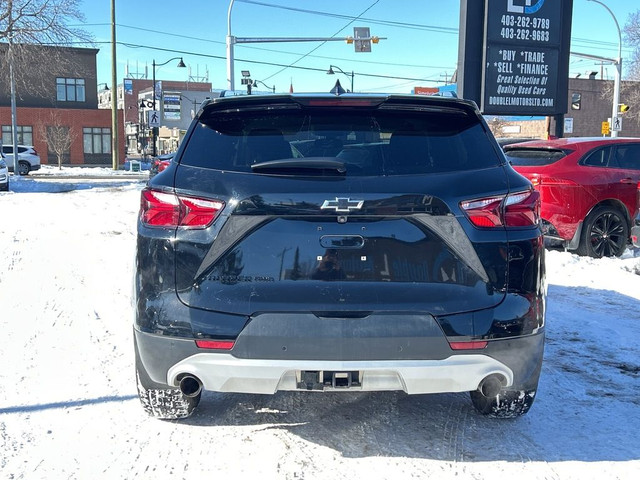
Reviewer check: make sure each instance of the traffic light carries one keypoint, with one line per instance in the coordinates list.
(623, 108)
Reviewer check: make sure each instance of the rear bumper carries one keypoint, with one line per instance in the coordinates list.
(635, 233)
(226, 373)
(167, 359)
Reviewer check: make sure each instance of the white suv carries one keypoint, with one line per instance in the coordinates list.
(28, 158)
(4, 174)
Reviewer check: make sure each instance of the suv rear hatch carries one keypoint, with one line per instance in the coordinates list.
(341, 205)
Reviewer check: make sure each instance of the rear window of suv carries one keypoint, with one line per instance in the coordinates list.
(382, 141)
(533, 157)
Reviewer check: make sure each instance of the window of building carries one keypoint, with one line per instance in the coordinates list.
(576, 101)
(70, 89)
(96, 140)
(25, 135)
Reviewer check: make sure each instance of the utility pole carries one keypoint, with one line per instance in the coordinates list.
(14, 115)
(114, 93)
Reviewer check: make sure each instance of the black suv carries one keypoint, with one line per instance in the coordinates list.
(339, 243)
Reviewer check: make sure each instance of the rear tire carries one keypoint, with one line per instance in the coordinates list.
(507, 404)
(512, 402)
(23, 168)
(162, 401)
(604, 234)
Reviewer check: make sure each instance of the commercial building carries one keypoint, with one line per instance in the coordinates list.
(62, 92)
(175, 102)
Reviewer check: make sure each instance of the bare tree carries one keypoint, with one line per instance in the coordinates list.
(59, 137)
(496, 124)
(25, 23)
(629, 95)
(632, 38)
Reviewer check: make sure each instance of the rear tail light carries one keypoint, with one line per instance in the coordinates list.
(215, 344)
(163, 209)
(538, 179)
(521, 209)
(473, 345)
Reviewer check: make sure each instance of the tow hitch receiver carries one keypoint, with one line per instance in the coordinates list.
(314, 380)
(341, 379)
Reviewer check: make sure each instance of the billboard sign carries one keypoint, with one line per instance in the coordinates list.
(526, 55)
(426, 91)
(171, 105)
(128, 86)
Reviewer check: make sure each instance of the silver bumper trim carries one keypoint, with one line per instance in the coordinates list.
(226, 373)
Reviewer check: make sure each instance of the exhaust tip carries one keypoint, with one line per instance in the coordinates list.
(190, 386)
(491, 385)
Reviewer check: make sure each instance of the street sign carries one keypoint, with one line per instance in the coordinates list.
(616, 124)
(568, 125)
(605, 128)
(362, 45)
(153, 119)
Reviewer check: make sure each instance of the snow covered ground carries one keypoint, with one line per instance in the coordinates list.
(69, 409)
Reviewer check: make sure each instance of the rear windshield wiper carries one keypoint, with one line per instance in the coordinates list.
(301, 166)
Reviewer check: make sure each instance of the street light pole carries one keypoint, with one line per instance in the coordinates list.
(618, 72)
(331, 72)
(231, 41)
(256, 82)
(153, 96)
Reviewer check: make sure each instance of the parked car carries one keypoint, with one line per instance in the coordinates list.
(4, 174)
(160, 163)
(399, 252)
(635, 230)
(503, 142)
(28, 158)
(589, 190)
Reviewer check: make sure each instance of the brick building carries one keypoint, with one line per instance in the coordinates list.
(62, 94)
(180, 95)
(588, 106)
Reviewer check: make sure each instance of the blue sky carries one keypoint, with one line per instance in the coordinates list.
(421, 44)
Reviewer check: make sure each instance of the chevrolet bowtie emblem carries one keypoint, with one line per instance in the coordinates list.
(342, 205)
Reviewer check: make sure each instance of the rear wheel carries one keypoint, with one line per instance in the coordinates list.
(162, 401)
(23, 168)
(512, 402)
(604, 234)
(506, 404)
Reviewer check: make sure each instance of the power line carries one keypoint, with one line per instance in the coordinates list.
(333, 59)
(273, 64)
(382, 22)
(323, 43)
(349, 17)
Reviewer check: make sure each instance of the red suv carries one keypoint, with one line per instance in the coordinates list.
(589, 188)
